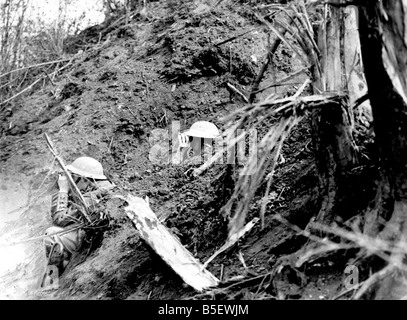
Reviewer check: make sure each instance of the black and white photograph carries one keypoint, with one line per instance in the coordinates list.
(210, 157)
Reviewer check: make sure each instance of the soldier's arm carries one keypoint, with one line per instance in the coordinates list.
(59, 202)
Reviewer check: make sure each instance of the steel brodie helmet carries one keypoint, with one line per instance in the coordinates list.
(203, 129)
(87, 167)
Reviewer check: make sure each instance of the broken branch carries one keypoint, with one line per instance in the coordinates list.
(233, 88)
(33, 66)
(272, 50)
(234, 37)
(22, 91)
(167, 246)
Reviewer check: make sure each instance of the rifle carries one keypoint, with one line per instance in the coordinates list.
(68, 174)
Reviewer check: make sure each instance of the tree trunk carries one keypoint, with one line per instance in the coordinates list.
(332, 127)
(383, 35)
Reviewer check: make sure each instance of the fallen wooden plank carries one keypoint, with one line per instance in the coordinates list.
(167, 246)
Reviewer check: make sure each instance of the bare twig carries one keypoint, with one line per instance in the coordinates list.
(302, 232)
(282, 81)
(55, 71)
(34, 66)
(110, 144)
(133, 114)
(360, 100)
(63, 67)
(34, 83)
(273, 48)
(234, 37)
(233, 88)
(302, 88)
(244, 282)
(21, 92)
(241, 259)
(279, 196)
(49, 78)
(8, 83)
(261, 284)
(218, 3)
(260, 76)
(22, 80)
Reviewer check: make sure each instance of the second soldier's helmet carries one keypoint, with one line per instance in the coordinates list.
(87, 167)
(203, 129)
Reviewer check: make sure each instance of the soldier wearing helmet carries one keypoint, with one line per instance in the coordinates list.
(89, 177)
(193, 142)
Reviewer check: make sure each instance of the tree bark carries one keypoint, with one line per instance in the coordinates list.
(335, 150)
(383, 35)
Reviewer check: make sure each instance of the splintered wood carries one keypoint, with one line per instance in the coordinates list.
(232, 239)
(168, 247)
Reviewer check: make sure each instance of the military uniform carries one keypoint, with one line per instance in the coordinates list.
(66, 213)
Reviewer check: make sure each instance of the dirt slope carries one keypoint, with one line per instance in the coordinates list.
(141, 77)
